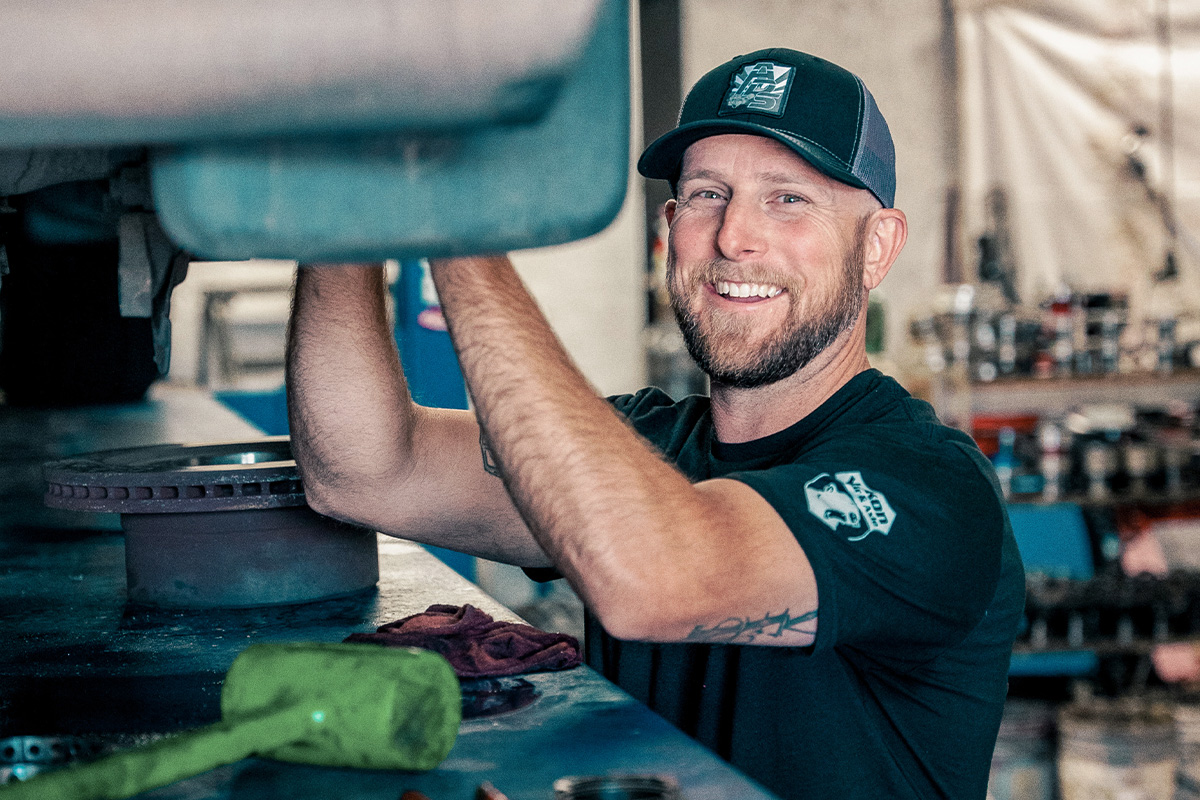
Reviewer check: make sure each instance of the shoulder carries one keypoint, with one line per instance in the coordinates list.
(934, 476)
(930, 480)
(897, 487)
(902, 441)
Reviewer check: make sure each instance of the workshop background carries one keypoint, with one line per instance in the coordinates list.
(1048, 160)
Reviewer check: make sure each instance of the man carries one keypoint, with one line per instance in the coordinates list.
(805, 571)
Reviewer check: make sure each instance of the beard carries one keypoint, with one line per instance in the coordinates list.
(719, 346)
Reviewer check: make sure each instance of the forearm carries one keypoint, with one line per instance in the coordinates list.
(628, 530)
(349, 410)
(366, 452)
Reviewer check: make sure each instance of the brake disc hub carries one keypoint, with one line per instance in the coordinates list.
(217, 525)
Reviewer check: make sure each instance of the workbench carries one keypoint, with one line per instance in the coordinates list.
(75, 658)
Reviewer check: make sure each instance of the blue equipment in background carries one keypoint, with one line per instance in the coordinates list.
(1053, 539)
(430, 364)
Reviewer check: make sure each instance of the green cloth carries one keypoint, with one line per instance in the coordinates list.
(338, 705)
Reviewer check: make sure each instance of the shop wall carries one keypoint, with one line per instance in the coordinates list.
(594, 291)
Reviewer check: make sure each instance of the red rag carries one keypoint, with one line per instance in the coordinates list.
(476, 645)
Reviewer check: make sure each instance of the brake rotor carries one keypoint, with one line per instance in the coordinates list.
(217, 525)
(174, 478)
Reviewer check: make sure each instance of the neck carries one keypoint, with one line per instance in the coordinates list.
(742, 415)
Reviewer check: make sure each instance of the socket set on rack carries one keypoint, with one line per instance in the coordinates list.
(1098, 454)
(1112, 613)
(1068, 335)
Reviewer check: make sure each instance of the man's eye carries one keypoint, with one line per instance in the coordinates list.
(791, 198)
(707, 194)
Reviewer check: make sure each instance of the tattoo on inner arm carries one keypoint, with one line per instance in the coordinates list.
(489, 460)
(742, 630)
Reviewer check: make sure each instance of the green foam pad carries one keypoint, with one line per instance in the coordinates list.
(336, 705)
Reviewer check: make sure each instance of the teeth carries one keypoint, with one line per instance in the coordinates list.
(747, 289)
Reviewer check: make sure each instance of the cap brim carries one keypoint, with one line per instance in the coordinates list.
(662, 159)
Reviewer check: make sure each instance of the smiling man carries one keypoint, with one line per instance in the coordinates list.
(805, 570)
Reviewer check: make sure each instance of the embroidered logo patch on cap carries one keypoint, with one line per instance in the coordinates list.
(761, 87)
(844, 500)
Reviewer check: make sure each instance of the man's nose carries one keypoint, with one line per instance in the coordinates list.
(740, 234)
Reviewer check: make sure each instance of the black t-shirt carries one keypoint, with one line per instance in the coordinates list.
(920, 591)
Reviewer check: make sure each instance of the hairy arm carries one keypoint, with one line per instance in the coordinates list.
(365, 451)
(656, 557)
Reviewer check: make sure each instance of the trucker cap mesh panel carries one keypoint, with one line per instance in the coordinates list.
(875, 163)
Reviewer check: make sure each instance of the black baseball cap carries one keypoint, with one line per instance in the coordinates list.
(821, 111)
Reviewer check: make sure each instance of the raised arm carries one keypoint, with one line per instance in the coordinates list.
(366, 452)
(654, 556)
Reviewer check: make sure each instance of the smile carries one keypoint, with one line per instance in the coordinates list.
(730, 289)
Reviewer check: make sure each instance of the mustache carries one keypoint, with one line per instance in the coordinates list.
(720, 269)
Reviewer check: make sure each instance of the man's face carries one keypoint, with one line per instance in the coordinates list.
(765, 259)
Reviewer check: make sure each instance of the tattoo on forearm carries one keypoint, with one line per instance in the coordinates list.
(741, 630)
(489, 460)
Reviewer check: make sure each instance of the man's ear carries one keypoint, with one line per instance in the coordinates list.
(669, 210)
(886, 234)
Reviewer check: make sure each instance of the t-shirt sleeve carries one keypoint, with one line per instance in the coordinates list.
(623, 404)
(906, 551)
(648, 403)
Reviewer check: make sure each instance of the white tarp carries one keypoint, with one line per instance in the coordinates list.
(1052, 92)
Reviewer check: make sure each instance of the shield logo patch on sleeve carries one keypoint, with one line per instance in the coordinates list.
(844, 501)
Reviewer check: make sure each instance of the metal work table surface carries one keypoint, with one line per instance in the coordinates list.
(75, 658)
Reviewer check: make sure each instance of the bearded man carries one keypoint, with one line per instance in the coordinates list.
(804, 570)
